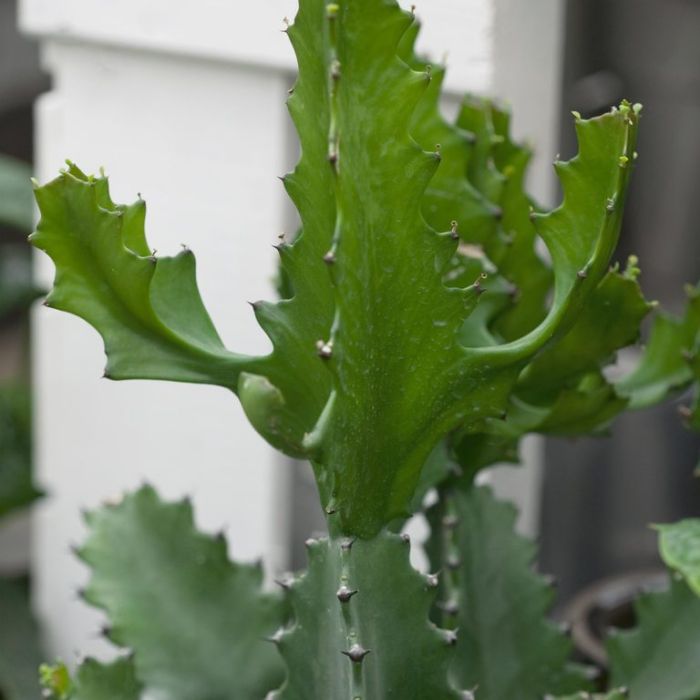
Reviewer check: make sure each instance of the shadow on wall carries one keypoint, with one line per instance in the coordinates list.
(600, 497)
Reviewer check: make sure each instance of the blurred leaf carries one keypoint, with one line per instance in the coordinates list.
(664, 365)
(498, 604)
(16, 488)
(196, 622)
(660, 658)
(20, 655)
(680, 549)
(16, 199)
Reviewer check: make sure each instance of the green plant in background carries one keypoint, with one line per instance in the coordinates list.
(19, 649)
(421, 336)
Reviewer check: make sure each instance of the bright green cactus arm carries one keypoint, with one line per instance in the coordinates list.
(659, 659)
(93, 681)
(664, 365)
(499, 605)
(680, 549)
(360, 626)
(611, 320)
(195, 621)
(147, 310)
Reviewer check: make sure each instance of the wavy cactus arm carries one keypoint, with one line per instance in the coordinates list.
(451, 199)
(93, 681)
(664, 366)
(195, 621)
(582, 233)
(611, 320)
(360, 627)
(499, 605)
(147, 310)
(679, 545)
(659, 659)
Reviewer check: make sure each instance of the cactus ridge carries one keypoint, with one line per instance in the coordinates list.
(360, 626)
(489, 592)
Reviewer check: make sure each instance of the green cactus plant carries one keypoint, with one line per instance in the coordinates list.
(421, 335)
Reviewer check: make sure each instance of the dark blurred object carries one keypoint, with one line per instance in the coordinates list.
(21, 81)
(20, 654)
(600, 495)
(605, 605)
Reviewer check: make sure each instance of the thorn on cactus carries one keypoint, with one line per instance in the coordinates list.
(347, 543)
(335, 70)
(356, 653)
(454, 232)
(450, 637)
(345, 594)
(450, 522)
(329, 258)
(331, 508)
(325, 349)
(449, 607)
(432, 580)
(311, 542)
(285, 583)
(453, 562)
(277, 637)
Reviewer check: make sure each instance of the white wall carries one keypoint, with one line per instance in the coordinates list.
(184, 103)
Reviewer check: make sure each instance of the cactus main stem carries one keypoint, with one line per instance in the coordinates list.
(360, 626)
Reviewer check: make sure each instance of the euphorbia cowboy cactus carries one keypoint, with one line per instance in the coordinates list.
(422, 335)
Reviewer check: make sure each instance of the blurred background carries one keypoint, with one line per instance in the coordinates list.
(186, 105)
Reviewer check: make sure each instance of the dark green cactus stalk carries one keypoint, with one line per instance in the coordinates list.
(374, 639)
(490, 594)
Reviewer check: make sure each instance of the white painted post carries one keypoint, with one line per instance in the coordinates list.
(184, 103)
